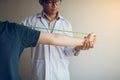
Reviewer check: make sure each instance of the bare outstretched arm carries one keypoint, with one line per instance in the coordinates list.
(62, 40)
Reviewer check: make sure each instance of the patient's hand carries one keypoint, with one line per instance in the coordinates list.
(92, 39)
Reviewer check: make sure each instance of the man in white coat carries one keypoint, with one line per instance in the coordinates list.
(51, 62)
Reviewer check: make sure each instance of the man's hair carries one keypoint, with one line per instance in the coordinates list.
(46, 0)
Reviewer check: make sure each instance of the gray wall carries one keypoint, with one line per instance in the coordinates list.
(99, 16)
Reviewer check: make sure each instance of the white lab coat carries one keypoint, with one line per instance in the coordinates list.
(50, 62)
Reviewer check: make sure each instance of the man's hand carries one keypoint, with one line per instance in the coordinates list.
(89, 42)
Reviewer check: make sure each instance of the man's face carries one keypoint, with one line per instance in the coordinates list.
(51, 6)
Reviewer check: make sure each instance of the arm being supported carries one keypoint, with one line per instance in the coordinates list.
(62, 40)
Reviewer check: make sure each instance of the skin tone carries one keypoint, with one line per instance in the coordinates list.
(51, 9)
(62, 40)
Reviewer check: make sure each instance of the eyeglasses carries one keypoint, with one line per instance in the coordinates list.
(52, 2)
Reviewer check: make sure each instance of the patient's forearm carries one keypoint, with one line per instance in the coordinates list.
(59, 40)
(67, 40)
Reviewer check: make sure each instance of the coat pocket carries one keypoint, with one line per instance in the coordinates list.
(38, 70)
